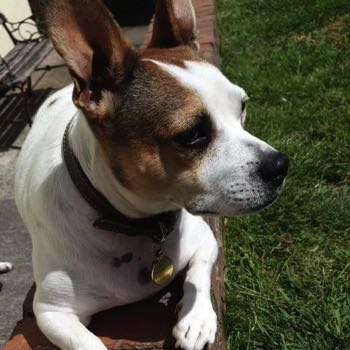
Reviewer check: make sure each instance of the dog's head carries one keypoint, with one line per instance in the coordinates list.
(169, 123)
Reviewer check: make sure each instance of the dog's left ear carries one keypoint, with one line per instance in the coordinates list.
(174, 24)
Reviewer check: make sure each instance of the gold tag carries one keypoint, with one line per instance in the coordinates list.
(162, 270)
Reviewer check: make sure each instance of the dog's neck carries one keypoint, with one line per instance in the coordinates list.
(92, 161)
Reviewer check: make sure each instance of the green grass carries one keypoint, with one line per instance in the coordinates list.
(288, 267)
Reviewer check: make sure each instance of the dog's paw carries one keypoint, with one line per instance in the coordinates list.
(5, 267)
(196, 326)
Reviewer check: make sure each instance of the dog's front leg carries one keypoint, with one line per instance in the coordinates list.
(66, 330)
(197, 320)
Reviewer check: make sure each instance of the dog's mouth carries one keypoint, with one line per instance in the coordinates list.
(250, 205)
(194, 210)
(205, 213)
(260, 206)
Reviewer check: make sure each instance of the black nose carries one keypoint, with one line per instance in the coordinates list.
(274, 167)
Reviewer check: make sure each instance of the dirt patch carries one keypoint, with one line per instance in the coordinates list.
(335, 33)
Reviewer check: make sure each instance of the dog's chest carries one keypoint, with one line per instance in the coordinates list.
(123, 271)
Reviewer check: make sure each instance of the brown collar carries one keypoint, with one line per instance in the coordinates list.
(157, 227)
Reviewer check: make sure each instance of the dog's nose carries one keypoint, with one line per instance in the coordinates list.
(274, 168)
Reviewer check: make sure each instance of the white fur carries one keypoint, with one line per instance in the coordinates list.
(72, 261)
(5, 267)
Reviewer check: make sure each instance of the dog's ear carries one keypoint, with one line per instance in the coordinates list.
(98, 55)
(174, 24)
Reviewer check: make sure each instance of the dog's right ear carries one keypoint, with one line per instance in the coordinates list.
(174, 24)
(97, 53)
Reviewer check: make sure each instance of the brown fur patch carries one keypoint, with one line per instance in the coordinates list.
(175, 55)
(138, 136)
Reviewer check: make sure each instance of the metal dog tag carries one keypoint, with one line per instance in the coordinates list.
(162, 270)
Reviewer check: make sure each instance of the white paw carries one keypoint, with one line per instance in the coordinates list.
(5, 267)
(196, 326)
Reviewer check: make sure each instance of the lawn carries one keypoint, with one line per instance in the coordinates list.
(288, 267)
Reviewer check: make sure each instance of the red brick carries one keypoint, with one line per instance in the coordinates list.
(206, 38)
(210, 11)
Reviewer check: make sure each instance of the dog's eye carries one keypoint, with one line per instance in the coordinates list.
(195, 138)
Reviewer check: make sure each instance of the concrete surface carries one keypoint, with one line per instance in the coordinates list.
(15, 244)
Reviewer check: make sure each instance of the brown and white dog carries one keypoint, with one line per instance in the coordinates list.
(154, 131)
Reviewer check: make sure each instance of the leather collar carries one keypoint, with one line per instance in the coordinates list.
(156, 227)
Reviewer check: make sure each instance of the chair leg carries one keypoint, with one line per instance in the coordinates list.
(28, 95)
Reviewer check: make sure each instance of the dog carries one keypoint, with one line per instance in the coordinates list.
(152, 133)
